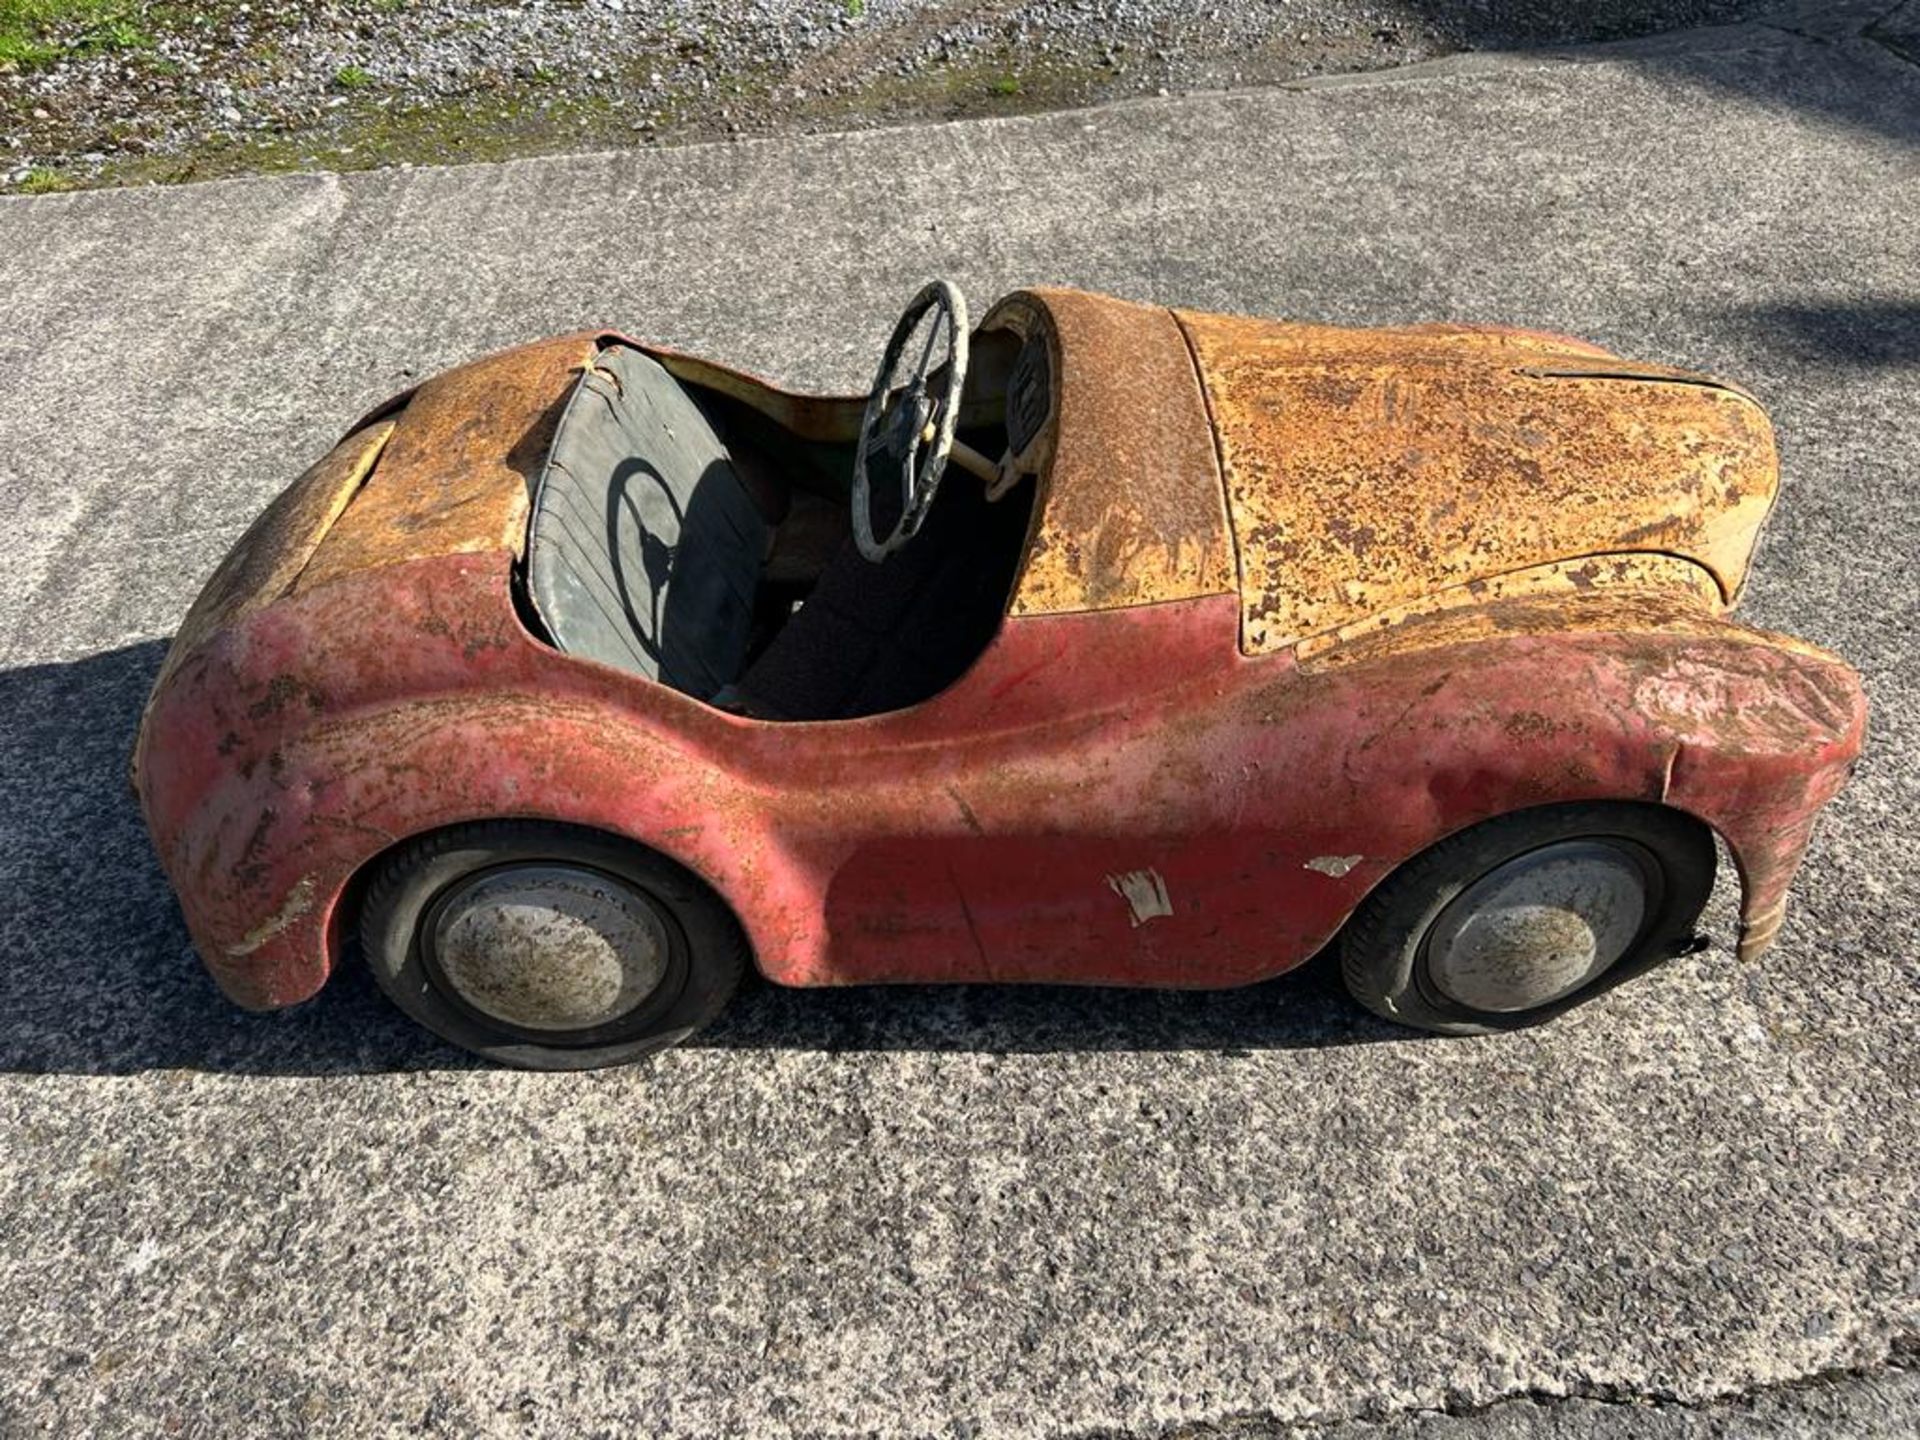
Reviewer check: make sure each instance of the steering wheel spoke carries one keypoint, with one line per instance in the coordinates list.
(912, 424)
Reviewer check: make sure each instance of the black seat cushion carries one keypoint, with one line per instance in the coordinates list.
(645, 548)
(877, 637)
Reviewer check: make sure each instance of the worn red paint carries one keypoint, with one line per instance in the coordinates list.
(987, 834)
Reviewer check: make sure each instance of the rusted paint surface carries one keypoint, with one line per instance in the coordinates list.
(1625, 608)
(1662, 589)
(1130, 510)
(454, 476)
(1366, 469)
(267, 559)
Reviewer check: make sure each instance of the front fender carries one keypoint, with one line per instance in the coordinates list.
(1750, 732)
(1765, 734)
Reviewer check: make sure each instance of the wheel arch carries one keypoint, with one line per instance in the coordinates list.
(1540, 703)
(1766, 846)
(280, 858)
(350, 896)
(1467, 824)
(1383, 949)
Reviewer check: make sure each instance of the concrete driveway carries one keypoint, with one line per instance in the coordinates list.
(973, 1212)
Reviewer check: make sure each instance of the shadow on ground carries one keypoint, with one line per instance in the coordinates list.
(97, 975)
(1868, 334)
(1819, 77)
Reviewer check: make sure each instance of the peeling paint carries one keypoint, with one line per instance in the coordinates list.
(299, 900)
(453, 477)
(1128, 403)
(1145, 893)
(1334, 865)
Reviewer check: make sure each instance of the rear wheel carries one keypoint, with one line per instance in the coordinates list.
(1517, 919)
(548, 946)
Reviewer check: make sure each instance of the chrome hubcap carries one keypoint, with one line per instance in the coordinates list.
(549, 947)
(1538, 928)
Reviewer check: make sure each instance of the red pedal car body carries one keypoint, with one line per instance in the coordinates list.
(1101, 644)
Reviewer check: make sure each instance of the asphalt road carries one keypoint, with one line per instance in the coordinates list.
(971, 1212)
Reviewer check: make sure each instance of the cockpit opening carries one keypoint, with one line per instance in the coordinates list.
(698, 528)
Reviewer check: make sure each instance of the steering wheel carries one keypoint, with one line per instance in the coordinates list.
(902, 419)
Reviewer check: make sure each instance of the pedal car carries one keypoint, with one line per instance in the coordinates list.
(1100, 643)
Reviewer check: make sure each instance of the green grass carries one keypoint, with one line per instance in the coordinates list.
(113, 33)
(42, 181)
(37, 33)
(489, 127)
(534, 114)
(22, 53)
(854, 8)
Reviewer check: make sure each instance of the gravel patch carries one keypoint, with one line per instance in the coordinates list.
(170, 92)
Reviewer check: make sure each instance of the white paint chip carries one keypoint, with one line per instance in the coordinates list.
(299, 900)
(1145, 893)
(1334, 865)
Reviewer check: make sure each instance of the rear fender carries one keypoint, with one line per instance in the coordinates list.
(310, 737)
(292, 840)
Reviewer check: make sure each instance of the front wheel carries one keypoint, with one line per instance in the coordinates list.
(548, 946)
(1519, 918)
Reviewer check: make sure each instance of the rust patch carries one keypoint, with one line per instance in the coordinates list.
(1366, 469)
(268, 559)
(1130, 510)
(454, 476)
(280, 692)
(1625, 611)
(1677, 581)
(828, 419)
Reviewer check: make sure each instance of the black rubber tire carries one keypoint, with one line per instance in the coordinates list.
(1382, 948)
(709, 950)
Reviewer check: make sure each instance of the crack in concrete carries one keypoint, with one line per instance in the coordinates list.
(1873, 31)
(1874, 35)
(1902, 1357)
(1795, 32)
